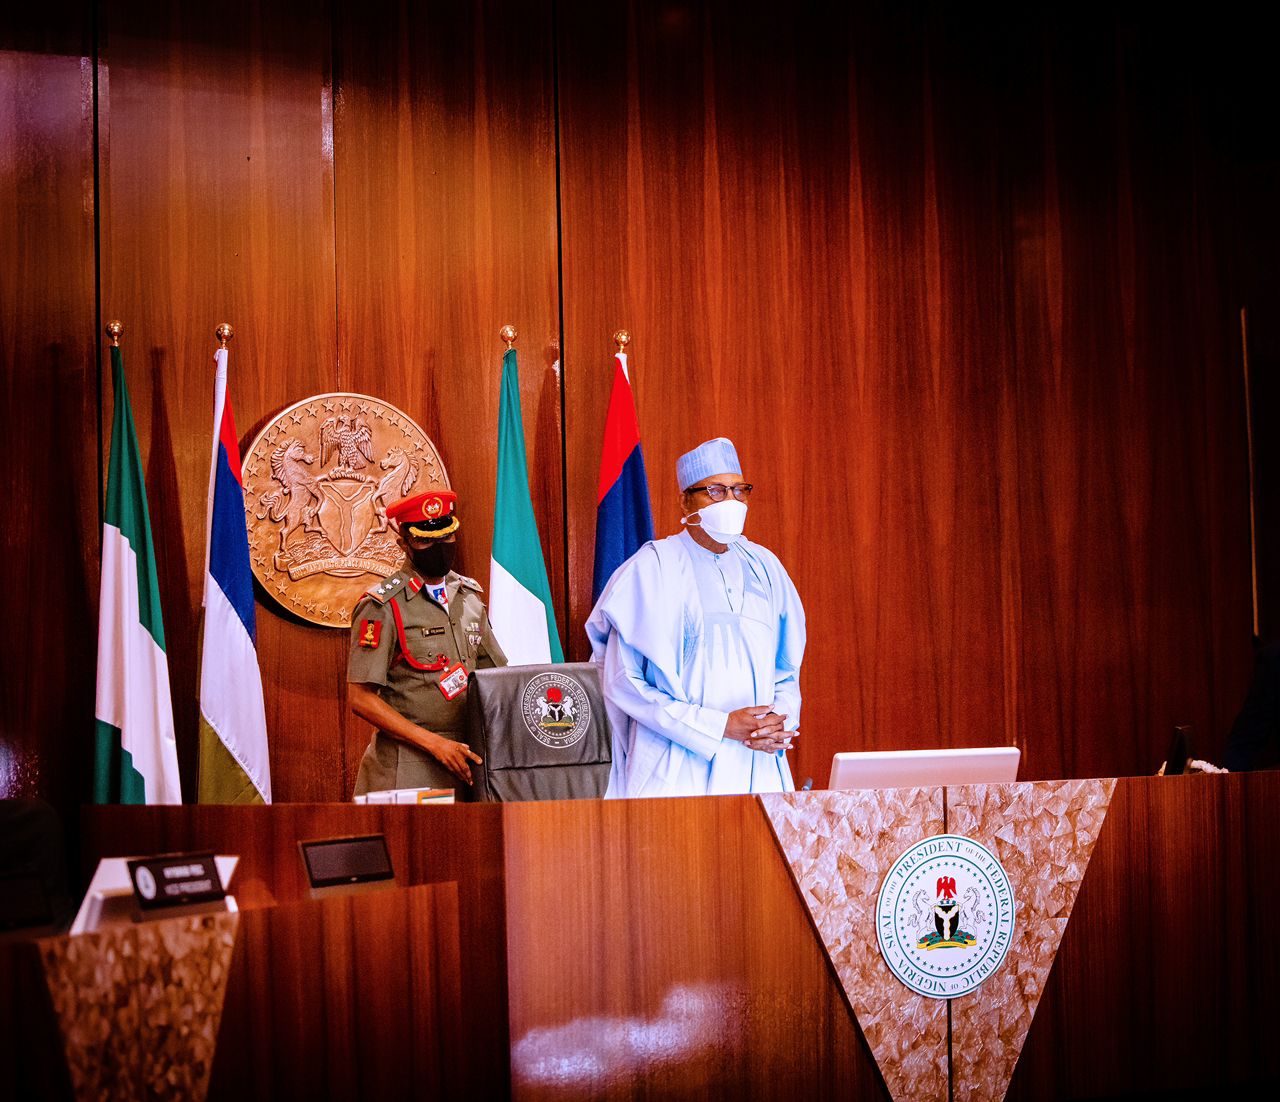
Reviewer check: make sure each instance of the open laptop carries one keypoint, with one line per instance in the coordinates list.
(924, 768)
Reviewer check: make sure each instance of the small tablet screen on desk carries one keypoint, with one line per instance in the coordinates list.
(334, 861)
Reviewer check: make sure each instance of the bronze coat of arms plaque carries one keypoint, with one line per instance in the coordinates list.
(317, 482)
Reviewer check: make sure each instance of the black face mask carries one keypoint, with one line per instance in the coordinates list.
(434, 561)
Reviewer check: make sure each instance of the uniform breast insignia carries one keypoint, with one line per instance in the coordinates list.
(317, 482)
(945, 916)
(370, 633)
(433, 631)
(474, 635)
(556, 710)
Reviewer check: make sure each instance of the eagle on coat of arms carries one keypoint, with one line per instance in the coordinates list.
(352, 438)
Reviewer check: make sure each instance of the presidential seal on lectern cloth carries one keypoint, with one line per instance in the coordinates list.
(317, 482)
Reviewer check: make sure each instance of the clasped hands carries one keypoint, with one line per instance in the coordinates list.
(758, 727)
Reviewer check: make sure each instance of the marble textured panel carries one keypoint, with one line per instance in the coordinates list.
(840, 846)
(1043, 834)
(139, 1006)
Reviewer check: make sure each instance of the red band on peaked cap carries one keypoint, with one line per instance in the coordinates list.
(432, 509)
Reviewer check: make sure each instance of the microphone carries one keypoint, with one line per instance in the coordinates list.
(808, 785)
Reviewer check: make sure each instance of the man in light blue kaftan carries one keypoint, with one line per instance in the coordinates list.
(701, 636)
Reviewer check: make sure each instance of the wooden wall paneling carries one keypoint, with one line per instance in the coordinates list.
(218, 206)
(696, 242)
(931, 580)
(819, 279)
(1134, 587)
(978, 269)
(1240, 152)
(661, 948)
(49, 401)
(446, 231)
(948, 281)
(1161, 971)
(353, 996)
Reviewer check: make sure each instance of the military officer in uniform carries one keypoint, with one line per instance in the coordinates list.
(416, 637)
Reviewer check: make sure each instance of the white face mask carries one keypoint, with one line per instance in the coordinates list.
(723, 521)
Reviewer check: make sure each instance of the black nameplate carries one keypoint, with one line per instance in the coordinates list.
(175, 880)
(333, 861)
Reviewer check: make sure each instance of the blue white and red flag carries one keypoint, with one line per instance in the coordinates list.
(234, 763)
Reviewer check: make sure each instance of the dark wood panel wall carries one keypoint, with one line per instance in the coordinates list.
(952, 281)
(48, 404)
(963, 288)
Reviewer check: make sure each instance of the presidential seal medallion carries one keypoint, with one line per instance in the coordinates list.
(317, 482)
(556, 710)
(944, 916)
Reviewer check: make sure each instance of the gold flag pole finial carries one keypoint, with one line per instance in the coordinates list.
(508, 334)
(622, 338)
(114, 329)
(224, 333)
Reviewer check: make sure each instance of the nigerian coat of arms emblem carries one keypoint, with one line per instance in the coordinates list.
(317, 482)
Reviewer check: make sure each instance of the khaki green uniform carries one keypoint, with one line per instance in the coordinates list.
(433, 637)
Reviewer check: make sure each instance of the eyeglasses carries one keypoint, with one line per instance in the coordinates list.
(717, 492)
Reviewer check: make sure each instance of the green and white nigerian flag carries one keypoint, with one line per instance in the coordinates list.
(135, 756)
(519, 593)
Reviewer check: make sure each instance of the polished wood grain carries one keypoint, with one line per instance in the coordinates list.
(658, 948)
(462, 844)
(48, 402)
(950, 281)
(352, 996)
(1170, 946)
(444, 141)
(217, 205)
(963, 286)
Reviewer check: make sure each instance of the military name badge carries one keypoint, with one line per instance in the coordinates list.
(370, 632)
(944, 916)
(317, 482)
(453, 681)
(556, 710)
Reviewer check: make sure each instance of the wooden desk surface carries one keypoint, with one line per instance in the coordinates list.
(659, 947)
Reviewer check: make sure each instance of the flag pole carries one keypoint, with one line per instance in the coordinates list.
(622, 338)
(508, 333)
(113, 331)
(222, 334)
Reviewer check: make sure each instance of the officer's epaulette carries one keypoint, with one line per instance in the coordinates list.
(383, 591)
(470, 583)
